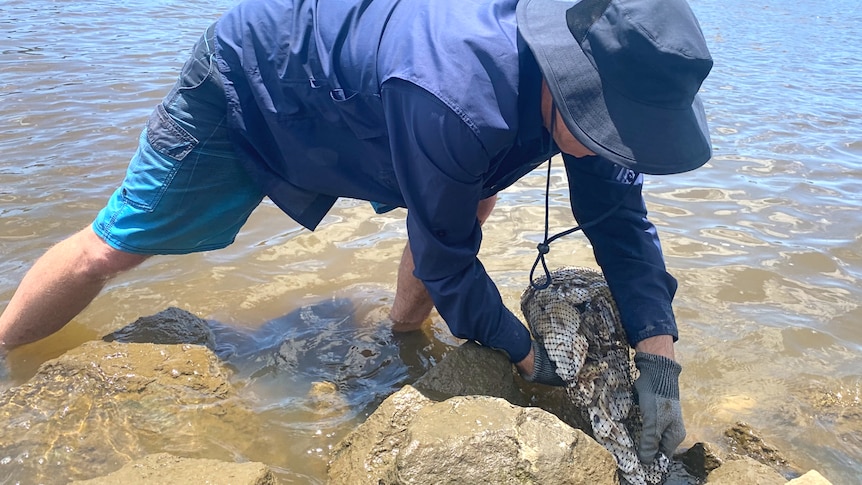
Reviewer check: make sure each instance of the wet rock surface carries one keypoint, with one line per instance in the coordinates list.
(813, 477)
(745, 471)
(170, 326)
(163, 468)
(94, 408)
(743, 440)
(701, 459)
(471, 369)
(748, 459)
(470, 439)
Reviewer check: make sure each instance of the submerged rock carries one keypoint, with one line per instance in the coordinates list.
(165, 468)
(170, 326)
(326, 400)
(751, 460)
(470, 439)
(743, 440)
(96, 407)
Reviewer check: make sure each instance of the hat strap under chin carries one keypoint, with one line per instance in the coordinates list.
(544, 247)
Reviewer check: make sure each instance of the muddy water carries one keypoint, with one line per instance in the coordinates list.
(765, 239)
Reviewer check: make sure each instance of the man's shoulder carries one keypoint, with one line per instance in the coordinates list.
(468, 38)
(465, 53)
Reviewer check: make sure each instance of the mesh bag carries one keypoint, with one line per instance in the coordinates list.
(577, 321)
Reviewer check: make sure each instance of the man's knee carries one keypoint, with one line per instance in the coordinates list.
(100, 258)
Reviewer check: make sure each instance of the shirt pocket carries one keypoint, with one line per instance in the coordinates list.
(362, 113)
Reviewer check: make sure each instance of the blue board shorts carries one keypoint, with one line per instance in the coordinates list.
(185, 189)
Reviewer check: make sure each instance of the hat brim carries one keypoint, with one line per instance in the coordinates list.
(643, 138)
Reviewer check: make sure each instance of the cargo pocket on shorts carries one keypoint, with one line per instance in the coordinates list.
(154, 166)
(167, 137)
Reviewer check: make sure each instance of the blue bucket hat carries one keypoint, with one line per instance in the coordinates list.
(624, 76)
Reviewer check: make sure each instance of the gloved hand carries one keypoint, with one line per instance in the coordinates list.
(658, 396)
(544, 369)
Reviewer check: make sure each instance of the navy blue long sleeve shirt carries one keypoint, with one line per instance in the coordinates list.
(431, 106)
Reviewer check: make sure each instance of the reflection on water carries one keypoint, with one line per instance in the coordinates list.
(765, 239)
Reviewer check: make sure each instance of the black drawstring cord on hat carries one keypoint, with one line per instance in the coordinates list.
(544, 247)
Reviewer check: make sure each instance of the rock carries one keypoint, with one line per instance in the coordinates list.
(163, 468)
(745, 441)
(326, 399)
(701, 459)
(377, 441)
(96, 407)
(745, 471)
(836, 406)
(170, 326)
(728, 407)
(470, 439)
(471, 369)
(680, 476)
(556, 401)
(813, 477)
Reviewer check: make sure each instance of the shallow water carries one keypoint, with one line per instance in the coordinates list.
(765, 240)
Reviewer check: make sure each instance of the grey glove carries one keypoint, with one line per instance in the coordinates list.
(658, 396)
(544, 369)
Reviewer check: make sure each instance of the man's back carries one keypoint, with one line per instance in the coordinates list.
(304, 82)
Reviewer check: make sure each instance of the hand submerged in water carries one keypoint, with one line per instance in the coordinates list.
(658, 397)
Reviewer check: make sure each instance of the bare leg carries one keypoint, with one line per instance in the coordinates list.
(60, 285)
(412, 303)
